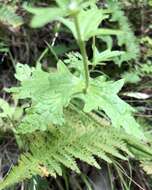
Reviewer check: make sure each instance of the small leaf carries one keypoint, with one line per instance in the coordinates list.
(6, 109)
(106, 55)
(131, 77)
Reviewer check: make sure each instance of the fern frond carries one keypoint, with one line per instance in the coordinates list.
(127, 37)
(78, 139)
(62, 146)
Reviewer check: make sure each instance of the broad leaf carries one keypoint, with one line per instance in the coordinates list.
(103, 95)
(49, 92)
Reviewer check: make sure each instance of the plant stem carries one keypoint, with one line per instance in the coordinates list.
(93, 48)
(81, 44)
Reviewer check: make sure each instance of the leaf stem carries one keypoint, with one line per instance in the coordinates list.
(82, 47)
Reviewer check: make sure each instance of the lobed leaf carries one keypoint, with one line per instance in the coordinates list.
(50, 94)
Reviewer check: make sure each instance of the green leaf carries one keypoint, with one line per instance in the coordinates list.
(65, 4)
(50, 94)
(43, 15)
(131, 77)
(29, 87)
(87, 28)
(74, 61)
(106, 31)
(71, 5)
(103, 95)
(40, 116)
(65, 82)
(6, 109)
(106, 55)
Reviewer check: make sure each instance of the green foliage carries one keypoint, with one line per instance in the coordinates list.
(9, 17)
(135, 75)
(39, 18)
(147, 166)
(87, 29)
(131, 77)
(3, 47)
(103, 95)
(50, 94)
(150, 2)
(56, 93)
(58, 126)
(6, 109)
(106, 55)
(127, 37)
(9, 114)
(82, 139)
(53, 13)
(147, 42)
(145, 69)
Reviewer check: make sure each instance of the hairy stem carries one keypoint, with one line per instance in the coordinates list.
(81, 44)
